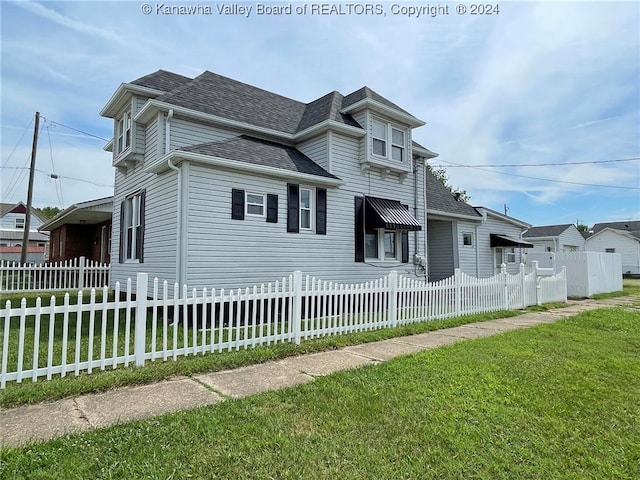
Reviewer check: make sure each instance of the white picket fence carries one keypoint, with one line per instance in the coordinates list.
(76, 274)
(53, 339)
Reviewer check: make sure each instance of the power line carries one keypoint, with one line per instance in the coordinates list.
(56, 176)
(543, 179)
(18, 142)
(498, 165)
(52, 122)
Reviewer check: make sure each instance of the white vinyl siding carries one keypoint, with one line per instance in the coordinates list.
(628, 248)
(317, 150)
(185, 133)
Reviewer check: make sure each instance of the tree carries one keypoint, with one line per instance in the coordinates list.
(582, 227)
(49, 212)
(441, 174)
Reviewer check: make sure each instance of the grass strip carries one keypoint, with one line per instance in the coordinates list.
(558, 401)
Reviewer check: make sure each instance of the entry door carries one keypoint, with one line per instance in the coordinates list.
(498, 259)
(104, 242)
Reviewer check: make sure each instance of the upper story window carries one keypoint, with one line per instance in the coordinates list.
(124, 132)
(20, 223)
(395, 150)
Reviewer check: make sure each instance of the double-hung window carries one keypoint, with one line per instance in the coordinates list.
(20, 223)
(255, 204)
(124, 132)
(396, 148)
(379, 134)
(306, 208)
(132, 228)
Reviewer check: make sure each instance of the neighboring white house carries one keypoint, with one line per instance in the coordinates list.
(624, 242)
(222, 184)
(476, 240)
(12, 224)
(555, 238)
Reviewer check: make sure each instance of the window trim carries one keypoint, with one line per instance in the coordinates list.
(123, 132)
(310, 208)
(389, 144)
(381, 253)
(21, 220)
(466, 235)
(132, 228)
(247, 204)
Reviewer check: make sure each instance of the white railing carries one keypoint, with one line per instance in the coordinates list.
(76, 274)
(111, 330)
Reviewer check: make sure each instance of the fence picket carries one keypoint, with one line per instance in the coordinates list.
(288, 309)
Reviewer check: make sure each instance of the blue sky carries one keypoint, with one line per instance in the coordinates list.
(538, 83)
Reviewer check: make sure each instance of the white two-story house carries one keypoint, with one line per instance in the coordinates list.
(222, 184)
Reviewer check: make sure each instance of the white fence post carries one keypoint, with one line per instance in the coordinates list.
(505, 288)
(296, 317)
(534, 266)
(81, 273)
(140, 332)
(393, 298)
(523, 286)
(457, 274)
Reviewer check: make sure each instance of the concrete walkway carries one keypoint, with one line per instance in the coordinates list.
(22, 425)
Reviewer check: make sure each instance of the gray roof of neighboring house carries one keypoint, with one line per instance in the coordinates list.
(234, 100)
(19, 235)
(261, 152)
(440, 198)
(546, 231)
(629, 226)
(162, 80)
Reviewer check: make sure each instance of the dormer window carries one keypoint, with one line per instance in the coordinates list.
(395, 150)
(124, 132)
(397, 145)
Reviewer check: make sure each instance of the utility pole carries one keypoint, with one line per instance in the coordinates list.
(27, 220)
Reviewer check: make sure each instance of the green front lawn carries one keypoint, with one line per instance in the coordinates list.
(558, 401)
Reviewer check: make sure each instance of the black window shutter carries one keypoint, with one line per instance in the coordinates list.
(293, 208)
(140, 229)
(321, 211)
(272, 208)
(405, 247)
(123, 234)
(359, 228)
(237, 204)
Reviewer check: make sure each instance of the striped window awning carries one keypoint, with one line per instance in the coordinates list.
(389, 214)
(507, 241)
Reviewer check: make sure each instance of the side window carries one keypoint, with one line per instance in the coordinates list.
(132, 211)
(306, 209)
(251, 204)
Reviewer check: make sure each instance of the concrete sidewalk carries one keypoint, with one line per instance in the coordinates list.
(22, 425)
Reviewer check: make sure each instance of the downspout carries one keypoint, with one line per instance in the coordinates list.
(477, 244)
(167, 143)
(424, 194)
(415, 214)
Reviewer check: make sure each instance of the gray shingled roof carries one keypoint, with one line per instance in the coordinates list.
(366, 92)
(227, 98)
(162, 80)
(247, 149)
(629, 226)
(546, 231)
(224, 97)
(325, 108)
(440, 199)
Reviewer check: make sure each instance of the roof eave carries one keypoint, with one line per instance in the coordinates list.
(119, 97)
(384, 109)
(152, 106)
(162, 165)
(440, 213)
(424, 152)
(60, 218)
(329, 125)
